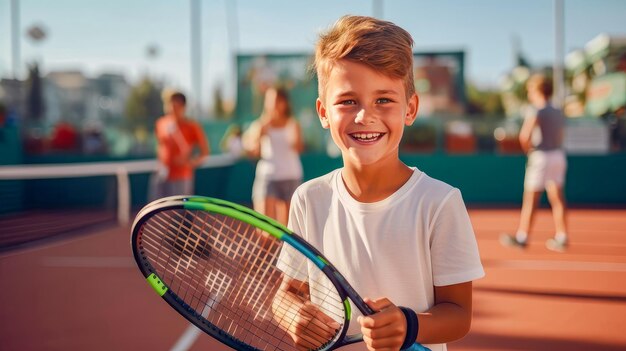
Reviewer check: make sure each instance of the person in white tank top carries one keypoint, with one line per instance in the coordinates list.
(276, 139)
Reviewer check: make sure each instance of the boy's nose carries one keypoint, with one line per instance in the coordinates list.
(364, 117)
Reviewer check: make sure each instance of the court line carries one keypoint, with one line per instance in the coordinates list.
(547, 265)
(187, 339)
(190, 335)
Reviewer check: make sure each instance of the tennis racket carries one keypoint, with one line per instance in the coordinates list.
(221, 266)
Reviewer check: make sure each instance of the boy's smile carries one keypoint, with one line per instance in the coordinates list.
(367, 137)
(366, 112)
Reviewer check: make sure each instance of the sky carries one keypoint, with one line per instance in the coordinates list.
(113, 36)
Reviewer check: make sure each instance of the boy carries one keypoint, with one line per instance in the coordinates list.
(177, 138)
(541, 137)
(399, 237)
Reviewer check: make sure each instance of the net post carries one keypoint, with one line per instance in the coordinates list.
(123, 196)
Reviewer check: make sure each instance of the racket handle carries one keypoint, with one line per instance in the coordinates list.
(351, 339)
(416, 347)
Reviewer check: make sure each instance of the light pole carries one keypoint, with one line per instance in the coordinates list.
(15, 37)
(558, 69)
(196, 57)
(377, 8)
(232, 27)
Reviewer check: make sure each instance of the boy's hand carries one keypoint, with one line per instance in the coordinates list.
(312, 328)
(386, 329)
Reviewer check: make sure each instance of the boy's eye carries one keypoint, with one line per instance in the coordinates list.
(347, 102)
(383, 100)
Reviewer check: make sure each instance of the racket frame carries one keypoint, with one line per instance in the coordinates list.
(270, 226)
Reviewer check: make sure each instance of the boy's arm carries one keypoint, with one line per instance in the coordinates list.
(451, 316)
(526, 132)
(203, 145)
(163, 147)
(448, 320)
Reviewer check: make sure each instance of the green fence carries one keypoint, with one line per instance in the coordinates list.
(491, 179)
(11, 191)
(484, 180)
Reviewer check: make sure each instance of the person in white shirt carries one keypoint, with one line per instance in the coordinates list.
(400, 237)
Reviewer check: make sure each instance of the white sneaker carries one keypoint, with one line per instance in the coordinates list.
(556, 245)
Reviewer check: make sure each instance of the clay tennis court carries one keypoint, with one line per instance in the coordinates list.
(83, 292)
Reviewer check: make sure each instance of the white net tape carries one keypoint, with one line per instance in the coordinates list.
(120, 169)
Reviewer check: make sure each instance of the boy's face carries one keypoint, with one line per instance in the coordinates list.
(177, 108)
(366, 112)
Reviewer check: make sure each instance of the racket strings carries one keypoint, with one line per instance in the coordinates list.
(184, 252)
(226, 270)
(254, 253)
(319, 291)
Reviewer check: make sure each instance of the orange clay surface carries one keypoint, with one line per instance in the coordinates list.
(85, 293)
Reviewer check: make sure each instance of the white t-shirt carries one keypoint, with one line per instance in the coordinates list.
(400, 247)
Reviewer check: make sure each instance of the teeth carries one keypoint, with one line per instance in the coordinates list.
(366, 136)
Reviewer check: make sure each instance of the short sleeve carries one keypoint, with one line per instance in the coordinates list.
(454, 251)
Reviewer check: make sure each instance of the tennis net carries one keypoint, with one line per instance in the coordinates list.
(43, 202)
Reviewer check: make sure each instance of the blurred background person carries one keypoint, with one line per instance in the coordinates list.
(182, 146)
(276, 139)
(541, 137)
(232, 143)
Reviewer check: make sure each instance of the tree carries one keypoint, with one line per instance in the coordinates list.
(218, 104)
(144, 104)
(35, 107)
(484, 102)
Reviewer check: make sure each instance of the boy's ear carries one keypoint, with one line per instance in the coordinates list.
(321, 112)
(411, 110)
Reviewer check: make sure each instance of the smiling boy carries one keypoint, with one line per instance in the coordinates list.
(400, 237)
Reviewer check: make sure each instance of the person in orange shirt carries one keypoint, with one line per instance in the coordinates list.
(181, 147)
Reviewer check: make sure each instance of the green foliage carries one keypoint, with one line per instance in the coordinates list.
(420, 137)
(219, 110)
(144, 104)
(484, 102)
(35, 100)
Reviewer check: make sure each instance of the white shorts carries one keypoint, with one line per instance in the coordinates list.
(544, 167)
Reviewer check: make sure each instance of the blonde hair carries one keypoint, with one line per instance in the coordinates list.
(381, 45)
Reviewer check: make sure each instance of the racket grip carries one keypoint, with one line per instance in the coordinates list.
(416, 347)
